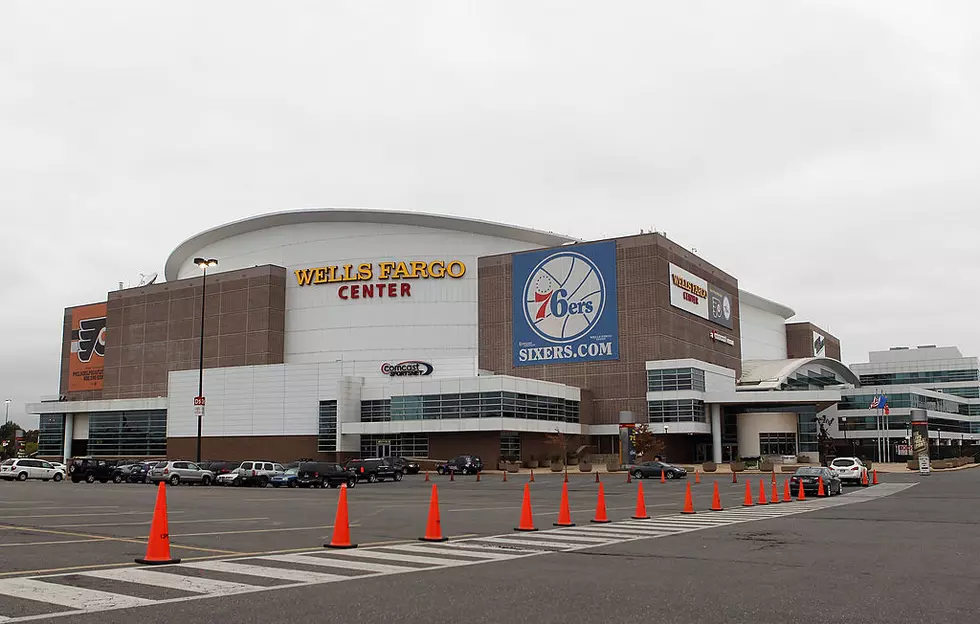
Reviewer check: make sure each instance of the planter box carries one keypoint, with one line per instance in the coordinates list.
(585, 467)
(613, 467)
(513, 467)
(531, 463)
(766, 467)
(790, 468)
(545, 463)
(709, 467)
(557, 467)
(737, 466)
(912, 464)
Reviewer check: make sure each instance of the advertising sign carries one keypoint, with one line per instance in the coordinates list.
(389, 274)
(688, 291)
(819, 345)
(86, 363)
(565, 305)
(411, 368)
(720, 307)
(920, 438)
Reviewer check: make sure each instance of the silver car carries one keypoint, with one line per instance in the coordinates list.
(177, 472)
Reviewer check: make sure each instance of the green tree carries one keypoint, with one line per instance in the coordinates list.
(646, 444)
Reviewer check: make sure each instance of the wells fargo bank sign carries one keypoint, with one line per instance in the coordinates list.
(393, 277)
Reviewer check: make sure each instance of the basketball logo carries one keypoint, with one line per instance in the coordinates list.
(564, 296)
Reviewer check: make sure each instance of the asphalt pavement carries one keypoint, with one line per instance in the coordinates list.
(904, 555)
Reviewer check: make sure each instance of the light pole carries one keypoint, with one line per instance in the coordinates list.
(205, 265)
(6, 410)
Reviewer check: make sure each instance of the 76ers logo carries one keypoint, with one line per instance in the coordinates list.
(564, 296)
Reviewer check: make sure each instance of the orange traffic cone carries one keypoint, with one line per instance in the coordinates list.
(629, 477)
(697, 477)
(564, 513)
(787, 495)
(663, 478)
(531, 480)
(426, 475)
(566, 474)
(452, 475)
(505, 476)
(716, 500)
(341, 524)
(596, 476)
(774, 476)
(641, 505)
(734, 477)
(688, 501)
(762, 493)
(748, 496)
(802, 495)
(477, 477)
(874, 477)
(820, 491)
(433, 528)
(864, 478)
(775, 494)
(600, 507)
(527, 519)
(158, 548)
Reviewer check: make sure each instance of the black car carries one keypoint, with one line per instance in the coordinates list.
(373, 470)
(809, 476)
(652, 469)
(407, 466)
(220, 467)
(322, 474)
(132, 473)
(90, 469)
(463, 464)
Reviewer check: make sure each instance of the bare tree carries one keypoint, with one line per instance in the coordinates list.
(561, 441)
(645, 442)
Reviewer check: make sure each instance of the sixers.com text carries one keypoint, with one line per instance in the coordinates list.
(565, 352)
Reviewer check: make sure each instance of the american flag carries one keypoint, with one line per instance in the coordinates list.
(875, 402)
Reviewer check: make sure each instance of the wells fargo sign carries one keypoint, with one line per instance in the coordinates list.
(348, 275)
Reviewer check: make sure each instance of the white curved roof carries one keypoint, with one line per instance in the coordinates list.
(754, 300)
(356, 215)
(774, 374)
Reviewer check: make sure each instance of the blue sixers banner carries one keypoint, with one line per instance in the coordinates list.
(565, 305)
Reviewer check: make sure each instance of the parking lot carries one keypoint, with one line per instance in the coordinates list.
(46, 527)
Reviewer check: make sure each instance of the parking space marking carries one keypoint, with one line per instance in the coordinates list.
(77, 515)
(246, 531)
(147, 523)
(69, 596)
(193, 584)
(436, 556)
(78, 541)
(434, 549)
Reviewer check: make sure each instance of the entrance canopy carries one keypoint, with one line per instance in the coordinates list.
(796, 374)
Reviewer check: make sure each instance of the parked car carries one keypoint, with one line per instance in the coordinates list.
(321, 474)
(463, 464)
(849, 469)
(63, 468)
(406, 465)
(91, 469)
(373, 470)
(219, 467)
(652, 469)
(257, 473)
(24, 469)
(287, 478)
(132, 473)
(177, 472)
(809, 476)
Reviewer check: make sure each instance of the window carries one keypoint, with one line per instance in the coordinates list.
(510, 444)
(969, 392)
(326, 441)
(400, 445)
(376, 411)
(127, 434)
(920, 377)
(665, 379)
(683, 410)
(51, 435)
(807, 431)
(777, 443)
(483, 404)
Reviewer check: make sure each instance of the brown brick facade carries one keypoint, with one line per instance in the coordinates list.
(649, 327)
(799, 341)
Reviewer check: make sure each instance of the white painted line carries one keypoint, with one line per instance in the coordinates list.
(78, 541)
(471, 545)
(67, 596)
(364, 566)
(613, 528)
(568, 535)
(614, 534)
(171, 581)
(298, 576)
(437, 549)
(533, 544)
(376, 554)
(78, 515)
(115, 524)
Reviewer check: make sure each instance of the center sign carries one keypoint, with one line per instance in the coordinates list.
(389, 272)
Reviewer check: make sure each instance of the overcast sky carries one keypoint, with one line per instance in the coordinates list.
(824, 153)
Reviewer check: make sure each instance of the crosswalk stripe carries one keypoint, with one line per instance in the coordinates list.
(376, 554)
(439, 550)
(575, 537)
(613, 528)
(471, 545)
(68, 596)
(231, 567)
(172, 581)
(614, 534)
(346, 564)
(532, 543)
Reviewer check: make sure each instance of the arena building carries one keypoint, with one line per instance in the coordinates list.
(340, 333)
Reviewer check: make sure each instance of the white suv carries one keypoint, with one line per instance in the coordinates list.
(849, 469)
(258, 473)
(24, 469)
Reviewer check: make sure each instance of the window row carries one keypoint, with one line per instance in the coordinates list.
(913, 400)
(871, 423)
(126, 434)
(682, 410)
(919, 377)
(376, 411)
(51, 435)
(483, 405)
(777, 444)
(968, 392)
(413, 445)
(510, 445)
(326, 441)
(666, 379)
(807, 433)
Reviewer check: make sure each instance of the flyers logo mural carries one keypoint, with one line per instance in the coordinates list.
(88, 340)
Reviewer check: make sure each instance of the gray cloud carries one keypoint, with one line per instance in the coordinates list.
(822, 152)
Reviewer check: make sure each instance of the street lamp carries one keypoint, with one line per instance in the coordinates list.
(6, 410)
(205, 265)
